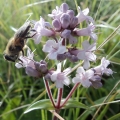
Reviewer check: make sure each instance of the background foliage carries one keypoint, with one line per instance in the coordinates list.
(18, 91)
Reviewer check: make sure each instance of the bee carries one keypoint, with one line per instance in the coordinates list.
(17, 43)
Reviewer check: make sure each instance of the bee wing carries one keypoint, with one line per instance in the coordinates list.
(23, 31)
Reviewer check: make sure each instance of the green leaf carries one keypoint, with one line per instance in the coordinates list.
(115, 117)
(42, 104)
(74, 104)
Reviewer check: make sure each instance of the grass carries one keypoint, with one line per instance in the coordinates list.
(17, 90)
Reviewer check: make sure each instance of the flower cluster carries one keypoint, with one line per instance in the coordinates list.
(63, 34)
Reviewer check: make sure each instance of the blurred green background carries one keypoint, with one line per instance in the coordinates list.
(17, 90)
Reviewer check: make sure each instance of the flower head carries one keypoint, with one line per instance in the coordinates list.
(89, 31)
(42, 28)
(102, 68)
(28, 63)
(87, 53)
(60, 78)
(83, 77)
(53, 48)
(82, 15)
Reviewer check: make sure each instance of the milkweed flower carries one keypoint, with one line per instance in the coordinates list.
(28, 63)
(89, 31)
(56, 13)
(83, 77)
(87, 54)
(54, 48)
(83, 16)
(42, 28)
(60, 78)
(102, 68)
(25, 60)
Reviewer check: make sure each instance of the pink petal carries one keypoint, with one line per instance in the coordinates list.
(18, 65)
(52, 55)
(61, 50)
(85, 45)
(59, 84)
(54, 76)
(59, 67)
(89, 74)
(48, 46)
(80, 70)
(90, 56)
(37, 38)
(76, 80)
(86, 83)
(85, 11)
(86, 64)
(81, 55)
(66, 81)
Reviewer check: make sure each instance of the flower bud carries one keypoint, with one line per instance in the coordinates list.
(65, 20)
(66, 33)
(64, 7)
(74, 58)
(32, 72)
(71, 14)
(74, 22)
(68, 55)
(61, 57)
(43, 68)
(47, 76)
(37, 64)
(56, 24)
(43, 62)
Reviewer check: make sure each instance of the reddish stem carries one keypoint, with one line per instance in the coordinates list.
(49, 92)
(59, 97)
(70, 94)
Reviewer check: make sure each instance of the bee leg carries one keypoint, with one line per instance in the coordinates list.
(32, 35)
(22, 52)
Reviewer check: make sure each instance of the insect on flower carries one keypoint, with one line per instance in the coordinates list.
(17, 43)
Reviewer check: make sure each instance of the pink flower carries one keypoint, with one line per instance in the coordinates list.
(60, 78)
(67, 35)
(42, 29)
(53, 49)
(28, 64)
(102, 68)
(56, 13)
(25, 61)
(83, 77)
(87, 53)
(87, 31)
(82, 15)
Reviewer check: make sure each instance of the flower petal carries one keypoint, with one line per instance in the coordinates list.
(86, 64)
(76, 80)
(89, 74)
(59, 84)
(48, 46)
(80, 70)
(81, 55)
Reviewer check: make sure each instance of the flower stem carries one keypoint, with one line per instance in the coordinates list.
(59, 97)
(70, 94)
(49, 92)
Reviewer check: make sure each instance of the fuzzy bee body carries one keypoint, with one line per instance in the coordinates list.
(16, 44)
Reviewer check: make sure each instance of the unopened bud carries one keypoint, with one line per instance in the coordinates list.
(64, 7)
